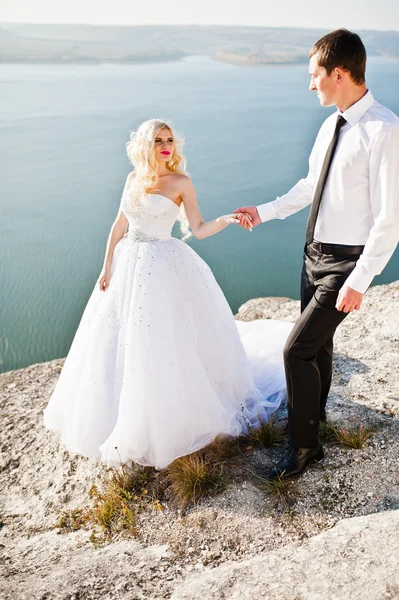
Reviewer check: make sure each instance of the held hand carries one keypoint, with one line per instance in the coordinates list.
(252, 213)
(348, 299)
(240, 219)
(104, 280)
(244, 220)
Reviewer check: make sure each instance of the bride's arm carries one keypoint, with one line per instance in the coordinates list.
(199, 227)
(118, 230)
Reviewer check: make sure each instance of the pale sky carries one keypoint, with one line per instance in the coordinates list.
(353, 14)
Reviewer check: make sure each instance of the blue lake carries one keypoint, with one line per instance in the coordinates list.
(63, 164)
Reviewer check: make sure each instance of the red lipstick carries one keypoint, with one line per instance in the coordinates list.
(165, 152)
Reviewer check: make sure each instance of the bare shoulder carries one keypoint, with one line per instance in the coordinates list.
(180, 177)
(129, 179)
(183, 182)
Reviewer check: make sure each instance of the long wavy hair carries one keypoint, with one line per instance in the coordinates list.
(141, 152)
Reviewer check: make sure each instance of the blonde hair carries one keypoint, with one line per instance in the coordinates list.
(141, 153)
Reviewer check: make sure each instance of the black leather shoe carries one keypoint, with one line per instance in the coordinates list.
(295, 462)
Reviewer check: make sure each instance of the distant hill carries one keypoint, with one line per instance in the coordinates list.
(237, 45)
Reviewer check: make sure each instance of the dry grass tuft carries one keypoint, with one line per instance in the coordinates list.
(221, 449)
(267, 434)
(113, 511)
(195, 476)
(356, 437)
(328, 432)
(283, 491)
(201, 473)
(71, 520)
(126, 490)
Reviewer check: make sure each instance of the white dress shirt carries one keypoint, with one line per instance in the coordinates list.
(360, 203)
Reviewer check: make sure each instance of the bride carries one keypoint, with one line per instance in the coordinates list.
(158, 366)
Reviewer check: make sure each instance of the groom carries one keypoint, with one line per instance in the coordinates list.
(352, 230)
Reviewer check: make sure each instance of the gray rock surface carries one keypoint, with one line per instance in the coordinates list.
(357, 559)
(39, 479)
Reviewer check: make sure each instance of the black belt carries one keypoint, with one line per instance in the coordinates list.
(336, 248)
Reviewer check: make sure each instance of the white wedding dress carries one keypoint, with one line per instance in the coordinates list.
(158, 366)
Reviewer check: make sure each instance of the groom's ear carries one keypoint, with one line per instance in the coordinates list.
(340, 74)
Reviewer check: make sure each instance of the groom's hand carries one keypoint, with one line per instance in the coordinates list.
(348, 299)
(252, 211)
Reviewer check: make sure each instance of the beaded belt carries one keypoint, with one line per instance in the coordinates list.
(139, 236)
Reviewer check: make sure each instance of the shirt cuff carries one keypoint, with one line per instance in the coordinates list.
(267, 211)
(359, 280)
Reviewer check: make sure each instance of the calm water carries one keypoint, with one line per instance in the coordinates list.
(248, 135)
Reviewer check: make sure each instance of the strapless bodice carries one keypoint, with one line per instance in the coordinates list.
(154, 222)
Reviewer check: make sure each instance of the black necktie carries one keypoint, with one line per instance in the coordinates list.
(314, 211)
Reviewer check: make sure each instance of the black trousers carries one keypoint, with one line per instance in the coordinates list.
(309, 348)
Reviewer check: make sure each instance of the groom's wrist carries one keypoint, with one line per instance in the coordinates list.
(359, 280)
(266, 211)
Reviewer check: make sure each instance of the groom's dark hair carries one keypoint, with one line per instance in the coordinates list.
(342, 48)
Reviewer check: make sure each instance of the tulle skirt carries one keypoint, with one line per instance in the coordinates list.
(158, 366)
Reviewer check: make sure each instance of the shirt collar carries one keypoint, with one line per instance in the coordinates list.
(354, 113)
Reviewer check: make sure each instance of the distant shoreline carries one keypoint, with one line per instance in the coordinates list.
(88, 60)
(242, 60)
(236, 61)
(235, 45)
(267, 62)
